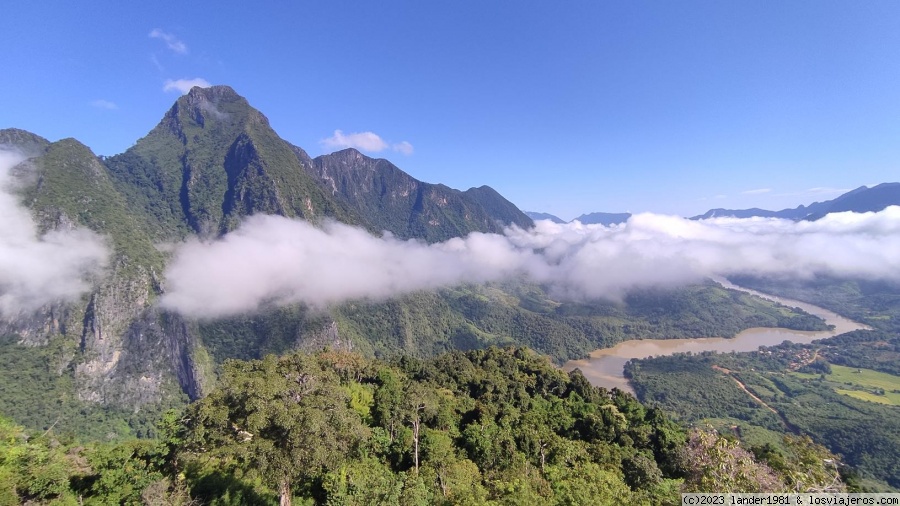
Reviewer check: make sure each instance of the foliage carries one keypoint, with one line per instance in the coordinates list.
(864, 433)
(492, 426)
(481, 427)
(454, 429)
(75, 186)
(36, 394)
(286, 418)
(717, 463)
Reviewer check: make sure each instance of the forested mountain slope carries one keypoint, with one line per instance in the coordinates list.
(486, 427)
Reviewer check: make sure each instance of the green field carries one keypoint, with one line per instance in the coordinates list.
(891, 399)
(862, 383)
(865, 378)
(805, 375)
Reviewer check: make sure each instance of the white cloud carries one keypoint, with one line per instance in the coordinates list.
(36, 269)
(758, 191)
(104, 104)
(821, 190)
(404, 148)
(363, 141)
(293, 261)
(652, 250)
(184, 85)
(171, 41)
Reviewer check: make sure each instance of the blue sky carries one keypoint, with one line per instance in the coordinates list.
(564, 107)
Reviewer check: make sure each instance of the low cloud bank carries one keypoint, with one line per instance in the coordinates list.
(655, 250)
(40, 269)
(271, 259)
(275, 260)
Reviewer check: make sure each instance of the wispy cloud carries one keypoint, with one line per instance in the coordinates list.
(403, 147)
(293, 261)
(364, 141)
(155, 61)
(815, 192)
(185, 85)
(104, 104)
(171, 41)
(758, 191)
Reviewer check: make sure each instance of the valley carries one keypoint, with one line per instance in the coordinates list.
(211, 164)
(839, 390)
(605, 367)
(447, 253)
(218, 253)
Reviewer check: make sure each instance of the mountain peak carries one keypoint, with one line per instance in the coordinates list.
(349, 154)
(534, 215)
(23, 140)
(212, 105)
(214, 95)
(213, 92)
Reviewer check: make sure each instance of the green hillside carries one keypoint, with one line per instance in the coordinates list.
(487, 427)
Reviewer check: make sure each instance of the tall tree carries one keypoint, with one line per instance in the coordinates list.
(285, 417)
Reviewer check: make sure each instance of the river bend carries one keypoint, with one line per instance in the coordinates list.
(605, 366)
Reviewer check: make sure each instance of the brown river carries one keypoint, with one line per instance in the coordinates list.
(605, 366)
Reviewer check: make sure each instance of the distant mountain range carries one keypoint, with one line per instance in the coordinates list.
(587, 219)
(603, 218)
(860, 200)
(544, 216)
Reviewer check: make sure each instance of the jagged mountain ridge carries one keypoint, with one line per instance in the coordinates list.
(214, 159)
(392, 200)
